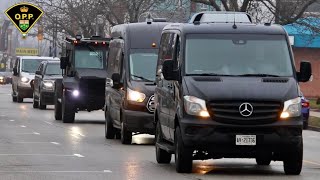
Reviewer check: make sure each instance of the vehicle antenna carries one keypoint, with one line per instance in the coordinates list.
(234, 20)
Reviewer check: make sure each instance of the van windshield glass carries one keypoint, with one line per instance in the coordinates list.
(53, 69)
(143, 64)
(89, 58)
(31, 65)
(237, 55)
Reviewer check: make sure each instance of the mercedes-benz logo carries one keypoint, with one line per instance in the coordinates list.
(150, 104)
(246, 109)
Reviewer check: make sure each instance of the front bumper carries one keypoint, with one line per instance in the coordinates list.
(25, 92)
(139, 121)
(47, 97)
(220, 138)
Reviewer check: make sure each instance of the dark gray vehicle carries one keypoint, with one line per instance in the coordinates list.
(84, 75)
(43, 83)
(130, 85)
(228, 91)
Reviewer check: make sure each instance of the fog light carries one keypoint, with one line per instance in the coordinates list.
(75, 93)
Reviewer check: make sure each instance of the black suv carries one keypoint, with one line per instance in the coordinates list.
(130, 84)
(43, 83)
(228, 90)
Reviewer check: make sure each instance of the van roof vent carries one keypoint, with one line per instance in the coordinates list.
(275, 80)
(208, 79)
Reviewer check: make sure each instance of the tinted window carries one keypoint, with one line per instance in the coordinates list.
(53, 69)
(85, 58)
(31, 65)
(238, 55)
(142, 64)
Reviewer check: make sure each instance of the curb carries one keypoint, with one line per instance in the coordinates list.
(313, 128)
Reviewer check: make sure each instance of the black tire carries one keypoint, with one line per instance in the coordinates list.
(57, 108)
(110, 131)
(41, 105)
(126, 136)
(292, 163)
(305, 125)
(162, 156)
(264, 159)
(19, 99)
(68, 110)
(35, 103)
(183, 156)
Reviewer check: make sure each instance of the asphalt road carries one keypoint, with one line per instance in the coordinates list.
(34, 146)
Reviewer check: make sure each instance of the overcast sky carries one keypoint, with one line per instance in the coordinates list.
(5, 4)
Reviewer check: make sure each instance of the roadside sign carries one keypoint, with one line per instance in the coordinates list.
(27, 52)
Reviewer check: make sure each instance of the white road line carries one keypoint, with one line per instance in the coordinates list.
(73, 135)
(56, 143)
(36, 133)
(48, 122)
(82, 135)
(56, 155)
(23, 126)
(78, 155)
(11, 120)
(104, 171)
(310, 162)
(2, 115)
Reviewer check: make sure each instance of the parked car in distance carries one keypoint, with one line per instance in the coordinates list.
(43, 83)
(2, 78)
(5, 77)
(23, 73)
(305, 110)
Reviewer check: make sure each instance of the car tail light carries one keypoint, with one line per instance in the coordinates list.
(305, 104)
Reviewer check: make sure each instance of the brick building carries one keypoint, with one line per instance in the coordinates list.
(306, 46)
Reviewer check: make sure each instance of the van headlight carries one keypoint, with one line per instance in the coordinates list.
(195, 106)
(135, 96)
(24, 79)
(48, 84)
(292, 108)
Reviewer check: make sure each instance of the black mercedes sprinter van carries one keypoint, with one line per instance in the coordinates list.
(228, 91)
(130, 83)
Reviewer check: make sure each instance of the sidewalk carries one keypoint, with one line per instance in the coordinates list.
(315, 114)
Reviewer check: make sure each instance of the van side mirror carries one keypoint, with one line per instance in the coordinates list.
(15, 71)
(38, 72)
(63, 62)
(168, 70)
(305, 71)
(116, 81)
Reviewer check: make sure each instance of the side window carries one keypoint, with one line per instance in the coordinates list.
(111, 59)
(177, 50)
(166, 50)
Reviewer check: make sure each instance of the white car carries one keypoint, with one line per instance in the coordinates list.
(23, 73)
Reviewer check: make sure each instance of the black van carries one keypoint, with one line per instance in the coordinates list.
(228, 91)
(130, 83)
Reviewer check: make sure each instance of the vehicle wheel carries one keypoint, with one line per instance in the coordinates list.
(118, 134)
(126, 136)
(110, 131)
(41, 105)
(35, 103)
(293, 160)
(162, 156)
(264, 159)
(305, 125)
(183, 156)
(19, 99)
(57, 109)
(68, 112)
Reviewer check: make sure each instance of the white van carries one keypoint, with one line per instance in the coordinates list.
(23, 73)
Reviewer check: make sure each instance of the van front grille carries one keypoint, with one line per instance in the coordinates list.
(229, 112)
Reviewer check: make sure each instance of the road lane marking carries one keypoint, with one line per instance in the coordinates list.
(82, 135)
(310, 162)
(23, 126)
(11, 120)
(104, 171)
(36, 133)
(75, 136)
(2, 115)
(56, 155)
(78, 155)
(48, 122)
(55, 143)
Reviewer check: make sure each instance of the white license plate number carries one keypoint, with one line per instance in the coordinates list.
(246, 140)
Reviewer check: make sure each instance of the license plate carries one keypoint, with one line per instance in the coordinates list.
(246, 140)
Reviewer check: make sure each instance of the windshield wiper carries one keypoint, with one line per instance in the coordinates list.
(142, 78)
(259, 75)
(210, 74)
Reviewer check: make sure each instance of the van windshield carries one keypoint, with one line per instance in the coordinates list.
(236, 55)
(31, 65)
(53, 69)
(143, 64)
